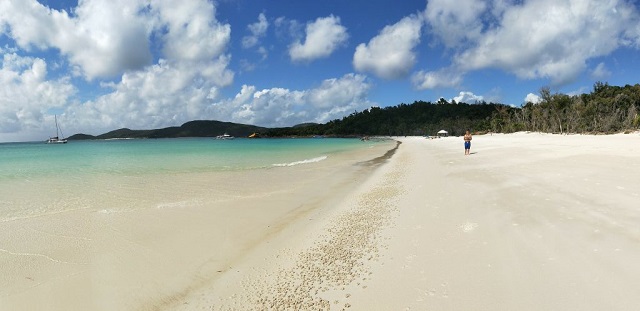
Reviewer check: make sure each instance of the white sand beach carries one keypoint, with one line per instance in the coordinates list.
(526, 222)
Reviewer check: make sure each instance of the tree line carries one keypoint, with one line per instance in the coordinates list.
(607, 109)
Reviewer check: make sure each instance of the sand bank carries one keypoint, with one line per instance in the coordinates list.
(527, 222)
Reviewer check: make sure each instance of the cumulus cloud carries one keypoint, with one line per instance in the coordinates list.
(543, 39)
(26, 95)
(104, 39)
(193, 33)
(257, 30)
(323, 37)
(550, 38)
(455, 22)
(391, 54)
(532, 98)
(283, 107)
(169, 92)
(468, 98)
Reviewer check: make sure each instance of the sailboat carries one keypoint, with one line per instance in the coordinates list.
(56, 139)
(225, 136)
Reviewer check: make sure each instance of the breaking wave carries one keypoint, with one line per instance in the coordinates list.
(307, 161)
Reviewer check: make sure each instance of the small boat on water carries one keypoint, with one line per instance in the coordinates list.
(224, 136)
(57, 139)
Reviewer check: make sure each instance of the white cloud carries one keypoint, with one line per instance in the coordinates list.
(542, 39)
(168, 93)
(532, 98)
(257, 30)
(283, 107)
(193, 33)
(550, 38)
(445, 77)
(26, 96)
(323, 37)
(391, 54)
(104, 39)
(468, 98)
(455, 22)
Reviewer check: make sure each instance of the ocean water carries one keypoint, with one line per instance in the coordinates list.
(147, 156)
(38, 178)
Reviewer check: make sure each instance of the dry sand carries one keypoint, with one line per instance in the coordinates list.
(526, 222)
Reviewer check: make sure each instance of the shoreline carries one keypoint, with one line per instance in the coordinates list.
(313, 257)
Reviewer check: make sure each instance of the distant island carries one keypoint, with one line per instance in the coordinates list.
(199, 128)
(607, 109)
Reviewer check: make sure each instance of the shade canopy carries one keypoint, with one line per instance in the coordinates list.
(442, 132)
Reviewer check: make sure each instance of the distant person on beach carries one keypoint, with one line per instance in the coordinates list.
(467, 143)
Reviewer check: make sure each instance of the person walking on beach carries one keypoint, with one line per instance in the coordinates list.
(467, 143)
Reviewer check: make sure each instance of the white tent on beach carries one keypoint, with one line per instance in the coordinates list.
(443, 133)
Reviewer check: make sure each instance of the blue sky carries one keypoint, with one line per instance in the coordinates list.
(107, 64)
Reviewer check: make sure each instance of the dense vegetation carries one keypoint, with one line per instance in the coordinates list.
(190, 129)
(607, 109)
(419, 118)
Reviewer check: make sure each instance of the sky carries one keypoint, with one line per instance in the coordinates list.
(100, 65)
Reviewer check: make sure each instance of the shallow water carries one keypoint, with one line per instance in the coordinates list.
(38, 179)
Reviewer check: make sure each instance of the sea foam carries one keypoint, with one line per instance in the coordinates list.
(307, 161)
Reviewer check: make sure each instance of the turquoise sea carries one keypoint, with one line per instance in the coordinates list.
(20, 161)
(38, 178)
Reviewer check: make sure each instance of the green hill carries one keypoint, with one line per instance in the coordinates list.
(199, 128)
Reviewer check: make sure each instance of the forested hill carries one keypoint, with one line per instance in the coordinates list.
(607, 109)
(419, 118)
(199, 128)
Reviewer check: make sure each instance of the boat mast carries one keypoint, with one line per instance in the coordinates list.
(56, 118)
(58, 128)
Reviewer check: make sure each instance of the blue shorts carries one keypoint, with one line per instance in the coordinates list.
(467, 145)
